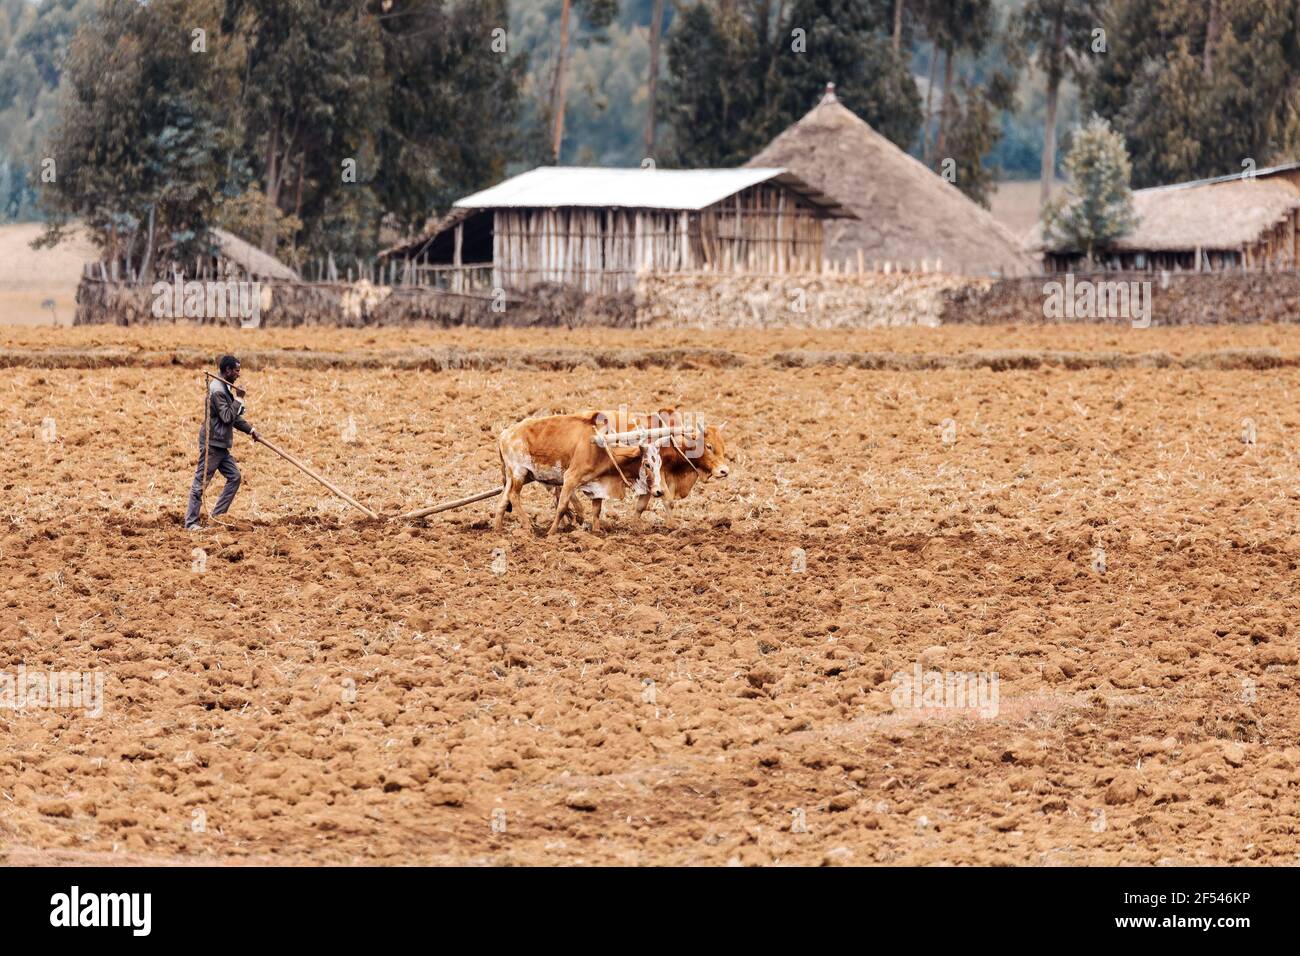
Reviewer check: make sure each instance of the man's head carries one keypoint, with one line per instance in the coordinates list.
(229, 367)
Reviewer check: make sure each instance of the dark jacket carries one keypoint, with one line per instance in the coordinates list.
(225, 412)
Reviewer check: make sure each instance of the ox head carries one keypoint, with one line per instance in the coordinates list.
(649, 479)
(704, 445)
(713, 454)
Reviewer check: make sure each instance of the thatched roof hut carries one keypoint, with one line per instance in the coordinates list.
(1221, 223)
(905, 213)
(253, 261)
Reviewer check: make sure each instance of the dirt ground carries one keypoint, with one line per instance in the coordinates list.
(320, 688)
(1176, 341)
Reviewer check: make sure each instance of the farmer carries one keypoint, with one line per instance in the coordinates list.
(225, 411)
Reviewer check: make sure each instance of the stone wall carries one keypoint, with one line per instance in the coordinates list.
(796, 301)
(1177, 298)
(361, 304)
(715, 301)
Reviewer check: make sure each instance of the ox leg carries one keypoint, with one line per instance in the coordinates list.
(517, 503)
(642, 502)
(507, 493)
(574, 512)
(668, 510)
(567, 491)
(595, 514)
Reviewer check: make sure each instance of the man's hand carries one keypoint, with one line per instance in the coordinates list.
(254, 435)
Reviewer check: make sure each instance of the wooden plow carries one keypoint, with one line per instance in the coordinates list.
(446, 506)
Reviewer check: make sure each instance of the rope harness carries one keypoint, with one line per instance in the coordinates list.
(678, 449)
(649, 460)
(610, 454)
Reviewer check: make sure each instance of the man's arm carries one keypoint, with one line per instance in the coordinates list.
(231, 411)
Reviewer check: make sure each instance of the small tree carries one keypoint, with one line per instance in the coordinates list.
(1098, 205)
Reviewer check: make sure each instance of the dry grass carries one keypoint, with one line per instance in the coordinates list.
(29, 276)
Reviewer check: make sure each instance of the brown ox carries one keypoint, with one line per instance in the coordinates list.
(699, 456)
(558, 450)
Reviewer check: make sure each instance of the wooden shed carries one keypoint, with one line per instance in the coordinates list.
(1229, 222)
(596, 229)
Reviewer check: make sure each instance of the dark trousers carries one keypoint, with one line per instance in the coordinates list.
(219, 460)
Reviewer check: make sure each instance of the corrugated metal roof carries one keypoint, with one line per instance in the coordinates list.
(693, 189)
(1243, 176)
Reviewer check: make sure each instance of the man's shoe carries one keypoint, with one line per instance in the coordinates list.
(193, 527)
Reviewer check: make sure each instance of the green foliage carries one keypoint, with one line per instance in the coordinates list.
(1058, 33)
(145, 180)
(301, 125)
(847, 44)
(738, 77)
(711, 91)
(34, 40)
(973, 130)
(452, 106)
(309, 107)
(1196, 98)
(1098, 206)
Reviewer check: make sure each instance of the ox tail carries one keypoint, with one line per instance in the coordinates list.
(505, 478)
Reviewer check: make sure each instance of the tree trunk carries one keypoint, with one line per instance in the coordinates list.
(1049, 138)
(272, 188)
(1055, 68)
(943, 106)
(1211, 37)
(652, 82)
(898, 26)
(557, 90)
(929, 100)
(147, 263)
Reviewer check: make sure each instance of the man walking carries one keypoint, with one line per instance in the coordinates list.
(225, 412)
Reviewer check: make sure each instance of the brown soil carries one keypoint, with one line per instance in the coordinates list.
(749, 342)
(335, 690)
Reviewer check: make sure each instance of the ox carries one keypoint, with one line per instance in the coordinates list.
(700, 456)
(557, 450)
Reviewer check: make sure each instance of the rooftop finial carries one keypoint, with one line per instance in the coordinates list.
(829, 95)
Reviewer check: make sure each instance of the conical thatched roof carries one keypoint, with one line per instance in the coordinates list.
(251, 259)
(905, 212)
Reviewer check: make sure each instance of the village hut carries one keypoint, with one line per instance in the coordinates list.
(905, 214)
(1228, 222)
(597, 229)
(234, 255)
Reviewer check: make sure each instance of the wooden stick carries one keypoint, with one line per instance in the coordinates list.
(448, 505)
(639, 436)
(321, 478)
